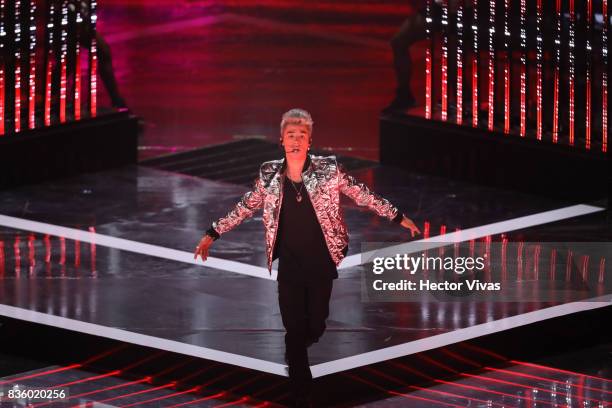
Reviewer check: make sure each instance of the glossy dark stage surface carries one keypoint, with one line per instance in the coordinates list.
(127, 264)
(111, 253)
(136, 283)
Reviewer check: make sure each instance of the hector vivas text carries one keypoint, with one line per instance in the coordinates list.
(413, 264)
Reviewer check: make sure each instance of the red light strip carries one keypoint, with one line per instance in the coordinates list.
(491, 101)
(92, 242)
(1, 97)
(557, 75)
(2, 258)
(41, 374)
(486, 390)
(217, 395)
(47, 240)
(174, 394)
(49, 68)
(483, 351)
(32, 74)
(2, 73)
(400, 382)
(62, 260)
(539, 73)
(451, 394)
(602, 269)
(77, 253)
(537, 260)
(31, 251)
(196, 373)
(588, 56)
(411, 370)
(444, 61)
(267, 389)
(459, 117)
(519, 260)
(572, 69)
(428, 58)
(475, 66)
(242, 384)
(585, 267)
(553, 264)
(18, 46)
(17, 252)
(104, 354)
(455, 384)
(93, 61)
(63, 57)
(535, 377)
(144, 360)
(437, 364)
(97, 391)
(88, 379)
(399, 394)
(504, 257)
(172, 368)
(527, 386)
(523, 84)
(558, 370)
(507, 57)
(131, 394)
(461, 358)
(229, 404)
(77, 69)
(604, 77)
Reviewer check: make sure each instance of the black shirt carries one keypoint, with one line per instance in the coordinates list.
(300, 244)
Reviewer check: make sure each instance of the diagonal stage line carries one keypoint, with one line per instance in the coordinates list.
(474, 233)
(142, 339)
(458, 335)
(262, 272)
(318, 370)
(132, 246)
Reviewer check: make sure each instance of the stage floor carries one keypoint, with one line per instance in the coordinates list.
(517, 384)
(118, 263)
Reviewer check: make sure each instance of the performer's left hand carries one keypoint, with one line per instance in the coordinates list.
(407, 223)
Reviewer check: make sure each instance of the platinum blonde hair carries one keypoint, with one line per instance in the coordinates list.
(296, 117)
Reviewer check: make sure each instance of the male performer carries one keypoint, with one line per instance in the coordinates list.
(305, 229)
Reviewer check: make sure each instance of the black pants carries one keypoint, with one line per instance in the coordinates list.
(304, 309)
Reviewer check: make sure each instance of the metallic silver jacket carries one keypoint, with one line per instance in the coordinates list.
(324, 180)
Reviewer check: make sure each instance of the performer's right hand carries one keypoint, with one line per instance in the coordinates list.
(202, 248)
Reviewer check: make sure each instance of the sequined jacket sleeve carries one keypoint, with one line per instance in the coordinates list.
(362, 196)
(250, 202)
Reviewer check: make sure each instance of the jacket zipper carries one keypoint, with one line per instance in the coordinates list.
(280, 203)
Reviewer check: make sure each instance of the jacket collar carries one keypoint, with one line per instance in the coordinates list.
(305, 168)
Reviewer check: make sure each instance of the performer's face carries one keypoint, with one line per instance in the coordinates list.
(295, 140)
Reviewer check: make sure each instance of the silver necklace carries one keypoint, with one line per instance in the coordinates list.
(298, 196)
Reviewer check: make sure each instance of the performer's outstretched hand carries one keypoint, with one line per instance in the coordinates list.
(407, 223)
(202, 248)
